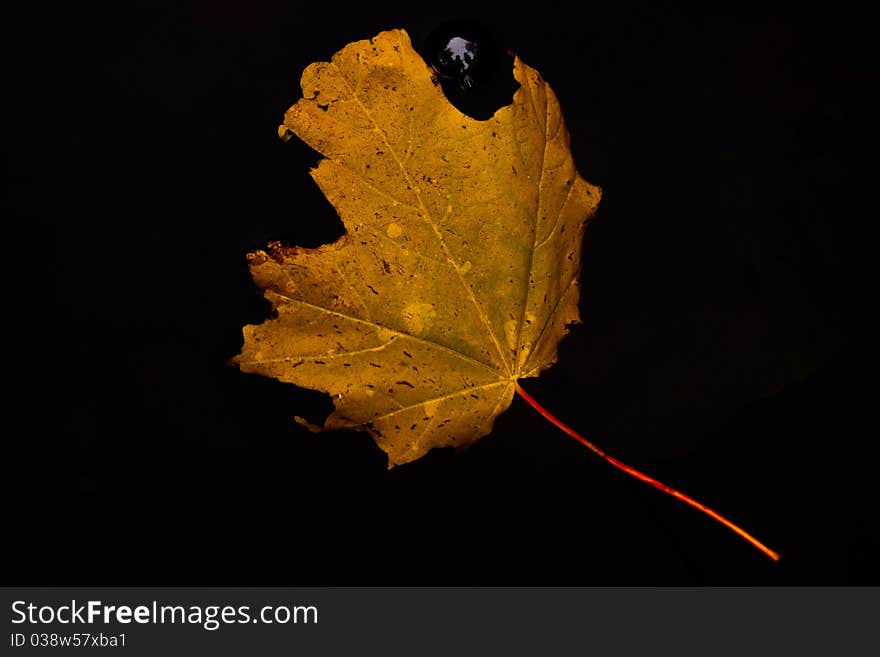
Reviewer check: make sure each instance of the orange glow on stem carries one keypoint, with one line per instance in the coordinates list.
(648, 480)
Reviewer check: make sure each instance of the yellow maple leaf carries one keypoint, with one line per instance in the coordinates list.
(458, 273)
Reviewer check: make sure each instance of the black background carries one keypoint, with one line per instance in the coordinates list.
(725, 299)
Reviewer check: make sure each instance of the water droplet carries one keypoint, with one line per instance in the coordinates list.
(475, 75)
(461, 51)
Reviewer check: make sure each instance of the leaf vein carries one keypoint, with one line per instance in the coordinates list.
(489, 366)
(375, 188)
(550, 317)
(427, 218)
(441, 398)
(525, 304)
(328, 356)
(556, 221)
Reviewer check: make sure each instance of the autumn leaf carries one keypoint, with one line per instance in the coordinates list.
(458, 273)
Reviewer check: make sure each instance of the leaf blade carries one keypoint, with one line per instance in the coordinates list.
(453, 256)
